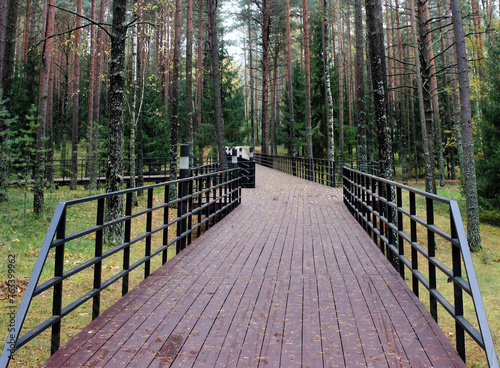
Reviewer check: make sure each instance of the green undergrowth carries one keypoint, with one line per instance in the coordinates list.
(21, 235)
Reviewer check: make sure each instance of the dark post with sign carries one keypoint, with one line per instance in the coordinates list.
(184, 172)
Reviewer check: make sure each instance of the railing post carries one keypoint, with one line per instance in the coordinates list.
(414, 252)
(96, 302)
(126, 250)
(401, 245)
(431, 250)
(184, 172)
(234, 165)
(149, 227)
(58, 288)
(166, 209)
(457, 290)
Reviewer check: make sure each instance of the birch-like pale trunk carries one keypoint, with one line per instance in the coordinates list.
(114, 172)
(340, 69)
(375, 38)
(328, 87)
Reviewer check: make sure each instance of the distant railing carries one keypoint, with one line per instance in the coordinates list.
(156, 168)
(203, 199)
(392, 222)
(318, 170)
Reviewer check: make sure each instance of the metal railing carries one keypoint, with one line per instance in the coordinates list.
(318, 170)
(203, 199)
(156, 168)
(388, 212)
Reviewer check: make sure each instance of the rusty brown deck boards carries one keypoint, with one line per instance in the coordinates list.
(288, 279)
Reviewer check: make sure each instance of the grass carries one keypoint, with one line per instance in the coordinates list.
(23, 240)
(487, 267)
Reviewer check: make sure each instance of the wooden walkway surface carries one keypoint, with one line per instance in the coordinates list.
(288, 279)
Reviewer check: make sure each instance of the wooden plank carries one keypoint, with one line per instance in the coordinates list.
(288, 279)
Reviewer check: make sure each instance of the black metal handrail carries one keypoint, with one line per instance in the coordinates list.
(377, 204)
(212, 194)
(318, 170)
(153, 166)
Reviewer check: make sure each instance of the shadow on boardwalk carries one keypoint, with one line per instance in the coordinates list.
(288, 279)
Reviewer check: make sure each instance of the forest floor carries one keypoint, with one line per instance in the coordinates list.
(22, 233)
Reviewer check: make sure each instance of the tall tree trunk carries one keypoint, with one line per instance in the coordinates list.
(91, 164)
(447, 101)
(307, 62)
(189, 79)
(453, 90)
(114, 172)
(43, 103)
(199, 68)
(214, 46)
(374, 29)
(273, 95)
(266, 31)
(473, 231)
(99, 63)
(174, 97)
(341, 85)
(437, 136)
(3, 26)
(360, 82)
(133, 112)
(9, 50)
(75, 87)
(26, 32)
(252, 84)
(427, 129)
(292, 151)
(328, 87)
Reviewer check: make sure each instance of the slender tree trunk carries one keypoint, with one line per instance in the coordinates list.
(133, 112)
(174, 97)
(291, 114)
(43, 103)
(379, 83)
(3, 26)
(189, 79)
(473, 231)
(252, 84)
(453, 89)
(328, 87)
(437, 136)
(91, 164)
(307, 57)
(7, 72)
(427, 129)
(214, 46)
(199, 67)
(75, 91)
(273, 95)
(266, 30)
(360, 82)
(114, 173)
(341, 85)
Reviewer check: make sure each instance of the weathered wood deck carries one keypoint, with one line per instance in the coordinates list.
(288, 279)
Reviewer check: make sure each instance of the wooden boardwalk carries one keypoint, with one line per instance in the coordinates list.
(288, 279)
